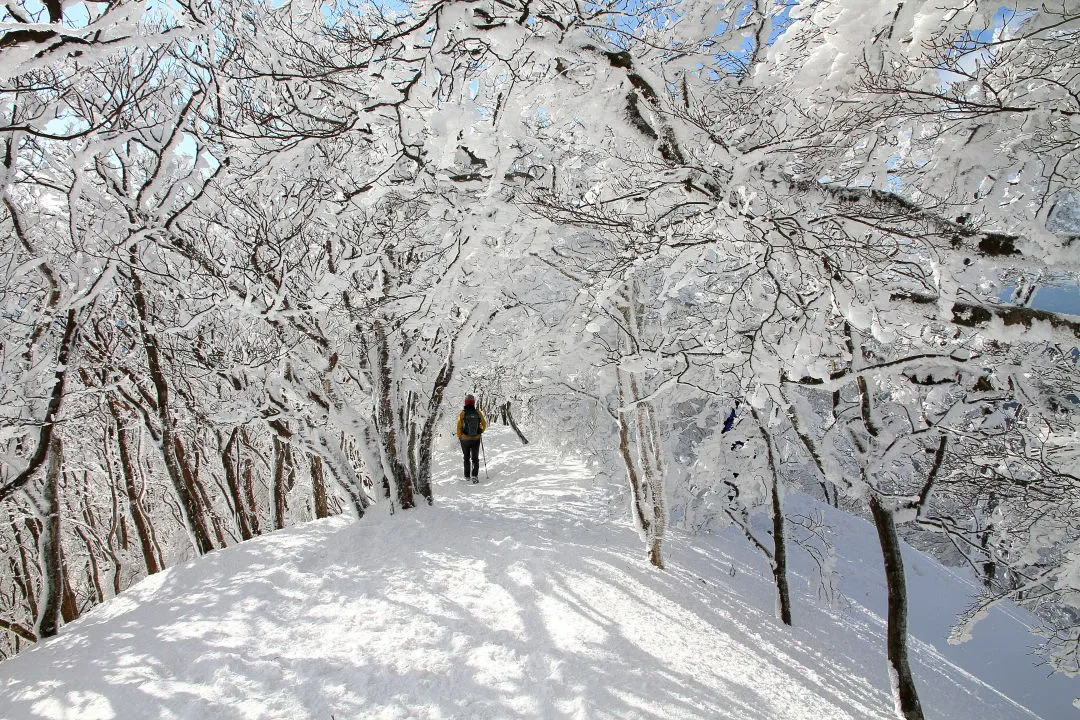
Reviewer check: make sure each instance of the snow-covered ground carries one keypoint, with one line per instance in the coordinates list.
(517, 598)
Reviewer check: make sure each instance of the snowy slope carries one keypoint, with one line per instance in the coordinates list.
(514, 598)
(1000, 650)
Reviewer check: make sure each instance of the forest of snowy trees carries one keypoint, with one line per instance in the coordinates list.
(248, 246)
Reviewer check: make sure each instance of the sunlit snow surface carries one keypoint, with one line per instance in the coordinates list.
(517, 598)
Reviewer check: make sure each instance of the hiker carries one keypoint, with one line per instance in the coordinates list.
(471, 424)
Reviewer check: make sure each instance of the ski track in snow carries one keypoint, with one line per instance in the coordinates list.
(517, 598)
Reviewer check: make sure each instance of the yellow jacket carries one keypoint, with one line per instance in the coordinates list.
(461, 426)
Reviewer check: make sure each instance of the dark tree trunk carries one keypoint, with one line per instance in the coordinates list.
(508, 417)
(318, 488)
(69, 604)
(138, 515)
(779, 554)
(395, 475)
(830, 493)
(19, 631)
(22, 574)
(427, 435)
(51, 553)
(117, 535)
(780, 574)
(56, 398)
(908, 706)
(192, 512)
(206, 506)
(97, 588)
(282, 468)
(988, 566)
(631, 471)
(408, 420)
(89, 534)
(194, 497)
(230, 462)
(247, 475)
(905, 696)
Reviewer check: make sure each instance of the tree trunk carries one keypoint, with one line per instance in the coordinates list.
(279, 492)
(509, 418)
(407, 421)
(50, 551)
(780, 575)
(400, 485)
(191, 511)
(52, 410)
(198, 491)
(779, 554)
(642, 499)
(646, 482)
(652, 470)
(427, 434)
(116, 534)
(89, 534)
(247, 475)
(336, 459)
(637, 495)
(19, 631)
(98, 593)
(988, 567)
(69, 604)
(318, 488)
(230, 461)
(21, 576)
(193, 501)
(906, 698)
(138, 516)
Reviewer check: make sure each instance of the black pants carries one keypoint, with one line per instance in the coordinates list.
(471, 450)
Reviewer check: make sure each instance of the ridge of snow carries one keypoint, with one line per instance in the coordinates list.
(515, 599)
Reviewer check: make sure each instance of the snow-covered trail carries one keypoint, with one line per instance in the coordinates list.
(511, 599)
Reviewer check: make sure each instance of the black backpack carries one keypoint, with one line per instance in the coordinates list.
(471, 424)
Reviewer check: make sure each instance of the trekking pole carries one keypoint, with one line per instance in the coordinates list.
(483, 454)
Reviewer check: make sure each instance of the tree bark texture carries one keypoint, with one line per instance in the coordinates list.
(508, 417)
(230, 461)
(318, 488)
(427, 433)
(247, 481)
(400, 485)
(91, 536)
(22, 574)
(142, 522)
(643, 499)
(50, 551)
(908, 706)
(779, 564)
(651, 455)
(646, 474)
(192, 512)
(279, 483)
(197, 492)
(52, 410)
